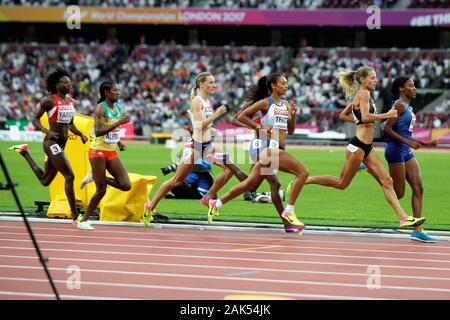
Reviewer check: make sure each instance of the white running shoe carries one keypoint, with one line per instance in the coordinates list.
(87, 179)
(85, 225)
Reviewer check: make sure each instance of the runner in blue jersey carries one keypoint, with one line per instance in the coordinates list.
(402, 163)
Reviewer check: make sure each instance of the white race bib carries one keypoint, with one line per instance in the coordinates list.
(352, 148)
(281, 117)
(65, 115)
(273, 144)
(55, 149)
(113, 137)
(256, 143)
(412, 123)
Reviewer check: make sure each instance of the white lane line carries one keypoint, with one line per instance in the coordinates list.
(255, 246)
(196, 289)
(52, 296)
(222, 251)
(228, 267)
(284, 237)
(189, 256)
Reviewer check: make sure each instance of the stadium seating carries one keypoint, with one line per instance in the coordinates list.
(155, 80)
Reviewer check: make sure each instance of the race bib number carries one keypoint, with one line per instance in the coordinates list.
(55, 149)
(281, 119)
(187, 152)
(413, 122)
(273, 144)
(352, 148)
(65, 115)
(256, 143)
(113, 137)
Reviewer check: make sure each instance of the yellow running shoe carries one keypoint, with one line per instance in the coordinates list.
(410, 221)
(292, 219)
(148, 214)
(212, 211)
(19, 148)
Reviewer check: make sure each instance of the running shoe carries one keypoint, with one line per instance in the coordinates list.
(19, 148)
(77, 219)
(421, 236)
(148, 214)
(290, 228)
(85, 225)
(204, 202)
(292, 219)
(411, 222)
(87, 179)
(362, 167)
(212, 211)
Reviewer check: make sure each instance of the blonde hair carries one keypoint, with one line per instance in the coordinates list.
(199, 79)
(348, 78)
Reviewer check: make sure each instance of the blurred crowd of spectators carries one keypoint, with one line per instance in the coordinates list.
(155, 81)
(233, 4)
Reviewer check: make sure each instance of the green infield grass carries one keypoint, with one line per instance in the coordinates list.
(362, 204)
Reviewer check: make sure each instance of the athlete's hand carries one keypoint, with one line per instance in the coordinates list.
(415, 145)
(83, 138)
(221, 110)
(430, 144)
(125, 118)
(121, 146)
(52, 135)
(293, 109)
(392, 113)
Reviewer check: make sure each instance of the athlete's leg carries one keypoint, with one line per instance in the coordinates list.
(374, 164)
(99, 176)
(414, 178)
(275, 187)
(291, 165)
(182, 172)
(398, 173)
(60, 162)
(45, 176)
(350, 168)
(121, 179)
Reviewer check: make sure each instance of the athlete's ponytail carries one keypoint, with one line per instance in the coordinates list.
(105, 86)
(396, 84)
(348, 79)
(199, 79)
(257, 91)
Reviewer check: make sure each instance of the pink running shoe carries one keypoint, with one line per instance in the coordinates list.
(204, 202)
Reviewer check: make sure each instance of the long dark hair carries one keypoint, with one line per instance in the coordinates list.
(396, 84)
(105, 86)
(262, 89)
(54, 77)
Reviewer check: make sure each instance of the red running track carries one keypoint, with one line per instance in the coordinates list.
(119, 262)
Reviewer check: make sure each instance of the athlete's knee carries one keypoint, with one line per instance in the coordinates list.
(386, 182)
(101, 190)
(399, 193)
(125, 185)
(417, 189)
(176, 181)
(69, 177)
(342, 184)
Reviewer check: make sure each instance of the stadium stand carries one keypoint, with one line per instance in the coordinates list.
(155, 80)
